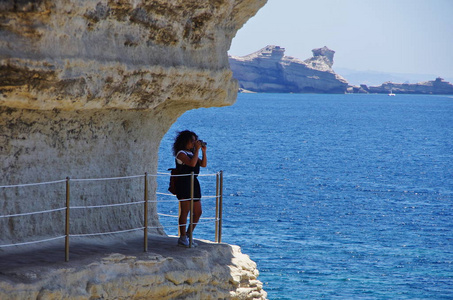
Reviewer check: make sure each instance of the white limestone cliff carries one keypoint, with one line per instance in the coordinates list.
(268, 70)
(89, 88)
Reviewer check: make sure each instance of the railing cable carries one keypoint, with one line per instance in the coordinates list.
(33, 213)
(32, 184)
(216, 219)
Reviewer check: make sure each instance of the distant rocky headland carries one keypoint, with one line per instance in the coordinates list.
(269, 71)
(433, 87)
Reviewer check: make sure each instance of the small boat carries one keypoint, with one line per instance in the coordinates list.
(391, 93)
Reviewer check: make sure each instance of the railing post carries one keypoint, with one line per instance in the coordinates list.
(66, 257)
(145, 222)
(192, 182)
(220, 206)
(216, 207)
(179, 215)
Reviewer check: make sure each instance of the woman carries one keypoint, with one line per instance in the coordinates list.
(186, 149)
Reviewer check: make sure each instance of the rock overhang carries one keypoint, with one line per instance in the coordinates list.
(126, 55)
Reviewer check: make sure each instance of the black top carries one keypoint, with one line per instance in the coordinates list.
(183, 182)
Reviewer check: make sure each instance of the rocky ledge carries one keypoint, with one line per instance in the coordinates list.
(270, 71)
(123, 271)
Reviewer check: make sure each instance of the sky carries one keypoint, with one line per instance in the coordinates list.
(395, 36)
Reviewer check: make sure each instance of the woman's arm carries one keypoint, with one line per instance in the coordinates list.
(192, 162)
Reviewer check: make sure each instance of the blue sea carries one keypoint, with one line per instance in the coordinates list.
(333, 196)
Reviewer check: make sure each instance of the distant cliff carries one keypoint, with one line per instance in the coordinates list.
(270, 71)
(434, 87)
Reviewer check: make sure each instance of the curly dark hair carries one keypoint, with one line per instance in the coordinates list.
(181, 140)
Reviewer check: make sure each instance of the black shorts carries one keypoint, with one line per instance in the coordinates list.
(183, 188)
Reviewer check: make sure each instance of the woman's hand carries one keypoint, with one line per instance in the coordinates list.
(204, 160)
(198, 145)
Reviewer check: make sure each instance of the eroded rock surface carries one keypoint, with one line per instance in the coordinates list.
(118, 54)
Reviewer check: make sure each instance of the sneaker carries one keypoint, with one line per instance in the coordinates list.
(183, 241)
(194, 244)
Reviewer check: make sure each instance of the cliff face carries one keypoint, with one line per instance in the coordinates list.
(88, 89)
(270, 71)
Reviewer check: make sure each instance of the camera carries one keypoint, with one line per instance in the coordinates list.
(203, 143)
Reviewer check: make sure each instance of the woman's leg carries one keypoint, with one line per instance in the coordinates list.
(185, 208)
(197, 211)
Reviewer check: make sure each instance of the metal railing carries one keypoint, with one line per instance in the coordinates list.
(68, 208)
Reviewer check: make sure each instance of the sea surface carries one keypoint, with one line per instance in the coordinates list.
(333, 196)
